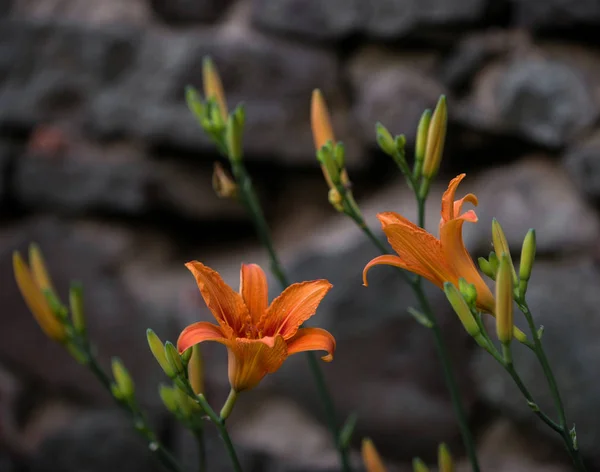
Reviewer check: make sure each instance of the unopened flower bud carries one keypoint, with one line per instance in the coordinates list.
(194, 102)
(195, 369)
(158, 350)
(371, 458)
(468, 291)
(123, 380)
(462, 309)
(77, 310)
(445, 462)
(385, 140)
(213, 87)
(223, 184)
(173, 358)
(527, 256)
(419, 465)
(233, 137)
(504, 301)
(436, 138)
(501, 246)
(168, 396)
(486, 268)
(421, 143)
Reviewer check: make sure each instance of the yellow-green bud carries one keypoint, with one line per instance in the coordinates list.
(195, 369)
(76, 304)
(468, 291)
(486, 268)
(436, 138)
(445, 462)
(501, 245)
(527, 256)
(325, 156)
(385, 139)
(462, 309)
(419, 465)
(194, 102)
(233, 138)
(122, 378)
(336, 199)
(421, 144)
(504, 301)
(169, 397)
(339, 155)
(174, 358)
(158, 350)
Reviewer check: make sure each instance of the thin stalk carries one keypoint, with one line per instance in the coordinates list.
(249, 198)
(199, 435)
(553, 386)
(140, 422)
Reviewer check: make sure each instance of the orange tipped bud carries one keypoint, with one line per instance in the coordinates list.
(504, 301)
(370, 457)
(213, 87)
(320, 121)
(223, 185)
(436, 137)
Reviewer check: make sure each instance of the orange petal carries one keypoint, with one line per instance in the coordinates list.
(251, 359)
(420, 252)
(371, 458)
(388, 259)
(199, 332)
(226, 305)
(458, 204)
(448, 198)
(312, 339)
(462, 264)
(294, 306)
(36, 301)
(254, 290)
(319, 119)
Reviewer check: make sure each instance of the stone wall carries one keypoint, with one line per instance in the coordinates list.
(102, 164)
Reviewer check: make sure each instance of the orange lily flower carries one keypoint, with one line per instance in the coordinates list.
(258, 336)
(438, 260)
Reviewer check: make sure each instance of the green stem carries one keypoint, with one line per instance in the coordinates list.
(250, 200)
(140, 422)
(229, 404)
(552, 384)
(199, 434)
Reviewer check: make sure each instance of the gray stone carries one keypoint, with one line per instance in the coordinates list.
(533, 193)
(564, 298)
(541, 94)
(335, 20)
(273, 78)
(393, 89)
(556, 14)
(189, 11)
(582, 162)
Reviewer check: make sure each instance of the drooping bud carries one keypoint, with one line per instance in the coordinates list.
(158, 350)
(213, 87)
(37, 302)
(436, 138)
(223, 184)
(462, 309)
(168, 396)
(421, 144)
(371, 459)
(445, 462)
(504, 302)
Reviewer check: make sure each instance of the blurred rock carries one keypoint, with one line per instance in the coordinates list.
(392, 89)
(5, 8)
(542, 94)
(336, 20)
(82, 11)
(532, 193)
(582, 162)
(504, 447)
(51, 70)
(273, 78)
(189, 11)
(6, 154)
(564, 298)
(116, 446)
(556, 14)
(91, 254)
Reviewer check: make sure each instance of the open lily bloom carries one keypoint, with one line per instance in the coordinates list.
(438, 260)
(258, 336)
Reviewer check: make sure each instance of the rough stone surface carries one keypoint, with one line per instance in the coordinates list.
(544, 95)
(381, 81)
(533, 194)
(336, 20)
(563, 297)
(105, 12)
(583, 165)
(189, 11)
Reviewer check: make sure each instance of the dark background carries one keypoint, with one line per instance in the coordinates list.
(102, 164)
